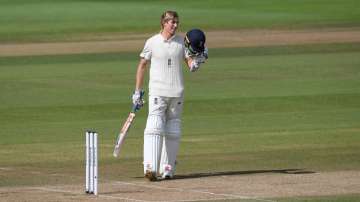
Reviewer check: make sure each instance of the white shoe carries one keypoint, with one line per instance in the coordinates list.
(167, 177)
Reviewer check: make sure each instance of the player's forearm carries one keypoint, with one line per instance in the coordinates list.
(140, 74)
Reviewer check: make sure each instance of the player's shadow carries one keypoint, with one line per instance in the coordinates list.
(247, 172)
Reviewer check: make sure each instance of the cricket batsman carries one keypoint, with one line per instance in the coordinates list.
(166, 52)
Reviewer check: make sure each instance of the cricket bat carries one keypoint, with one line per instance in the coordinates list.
(123, 132)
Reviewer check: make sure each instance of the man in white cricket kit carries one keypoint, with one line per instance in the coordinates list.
(166, 53)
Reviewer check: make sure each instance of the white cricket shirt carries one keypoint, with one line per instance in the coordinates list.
(167, 57)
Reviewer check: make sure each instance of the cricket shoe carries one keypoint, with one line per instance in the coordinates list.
(151, 176)
(168, 172)
(167, 177)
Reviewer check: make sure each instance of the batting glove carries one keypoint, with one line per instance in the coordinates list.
(194, 66)
(137, 99)
(206, 53)
(197, 60)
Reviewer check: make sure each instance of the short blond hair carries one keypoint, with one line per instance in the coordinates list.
(166, 16)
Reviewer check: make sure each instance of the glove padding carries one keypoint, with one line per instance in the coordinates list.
(197, 60)
(194, 66)
(137, 99)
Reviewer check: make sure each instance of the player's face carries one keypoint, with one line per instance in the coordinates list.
(171, 25)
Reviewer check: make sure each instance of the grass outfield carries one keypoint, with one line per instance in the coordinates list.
(247, 109)
(44, 20)
(350, 198)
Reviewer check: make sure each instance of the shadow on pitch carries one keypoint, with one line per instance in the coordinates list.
(247, 172)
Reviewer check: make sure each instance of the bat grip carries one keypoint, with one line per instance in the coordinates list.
(134, 108)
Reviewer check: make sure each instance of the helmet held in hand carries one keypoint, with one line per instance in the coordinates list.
(195, 41)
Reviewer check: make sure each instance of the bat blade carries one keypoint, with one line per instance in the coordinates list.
(123, 132)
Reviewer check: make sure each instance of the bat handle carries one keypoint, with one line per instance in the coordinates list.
(134, 108)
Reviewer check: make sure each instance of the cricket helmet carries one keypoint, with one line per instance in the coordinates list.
(195, 41)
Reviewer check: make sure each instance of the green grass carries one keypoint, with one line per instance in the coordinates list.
(263, 108)
(347, 198)
(45, 20)
(247, 109)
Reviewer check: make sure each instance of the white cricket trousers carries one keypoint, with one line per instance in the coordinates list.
(162, 134)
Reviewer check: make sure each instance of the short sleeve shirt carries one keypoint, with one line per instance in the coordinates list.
(166, 57)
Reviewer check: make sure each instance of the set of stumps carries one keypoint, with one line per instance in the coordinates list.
(91, 166)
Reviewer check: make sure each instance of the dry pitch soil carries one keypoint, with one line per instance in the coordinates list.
(265, 186)
(215, 39)
(241, 186)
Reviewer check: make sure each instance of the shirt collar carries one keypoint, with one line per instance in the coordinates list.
(167, 40)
